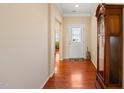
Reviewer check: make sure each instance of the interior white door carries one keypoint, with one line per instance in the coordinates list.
(76, 42)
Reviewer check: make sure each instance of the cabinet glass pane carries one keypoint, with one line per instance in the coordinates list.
(101, 47)
(101, 55)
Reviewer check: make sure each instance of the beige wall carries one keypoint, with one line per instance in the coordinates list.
(54, 15)
(93, 39)
(70, 20)
(23, 45)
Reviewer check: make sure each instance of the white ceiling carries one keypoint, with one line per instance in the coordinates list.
(85, 9)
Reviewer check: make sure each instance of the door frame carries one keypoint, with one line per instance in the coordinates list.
(60, 38)
(52, 45)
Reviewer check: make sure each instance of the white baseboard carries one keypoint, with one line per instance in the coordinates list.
(47, 79)
(52, 74)
(93, 63)
(44, 83)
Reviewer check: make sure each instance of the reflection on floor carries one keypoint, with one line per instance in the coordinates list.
(70, 75)
(57, 55)
(57, 59)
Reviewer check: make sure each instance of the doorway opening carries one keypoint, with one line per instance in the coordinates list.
(57, 41)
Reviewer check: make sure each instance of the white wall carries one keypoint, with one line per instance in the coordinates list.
(84, 21)
(93, 39)
(23, 45)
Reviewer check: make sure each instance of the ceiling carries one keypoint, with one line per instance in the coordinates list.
(84, 9)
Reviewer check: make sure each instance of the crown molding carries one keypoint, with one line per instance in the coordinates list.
(59, 8)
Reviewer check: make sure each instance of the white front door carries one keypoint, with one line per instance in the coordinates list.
(76, 45)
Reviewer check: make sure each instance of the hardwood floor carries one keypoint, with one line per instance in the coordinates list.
(72, 75)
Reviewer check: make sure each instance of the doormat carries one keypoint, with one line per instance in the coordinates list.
(75, 59)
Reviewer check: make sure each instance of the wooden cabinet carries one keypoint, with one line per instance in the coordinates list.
(109, 46)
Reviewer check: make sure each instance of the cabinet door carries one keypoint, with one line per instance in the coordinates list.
(114, 23)
(115, 46)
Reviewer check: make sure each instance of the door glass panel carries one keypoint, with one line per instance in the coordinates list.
(76, 34)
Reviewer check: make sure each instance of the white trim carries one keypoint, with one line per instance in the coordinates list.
(93, 63)
(44, 83)
(52, 74)
(47, 79)
(76, 15)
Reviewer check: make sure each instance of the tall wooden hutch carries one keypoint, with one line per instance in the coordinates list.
(109, 46)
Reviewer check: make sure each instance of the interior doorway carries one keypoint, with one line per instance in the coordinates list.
(57, 41)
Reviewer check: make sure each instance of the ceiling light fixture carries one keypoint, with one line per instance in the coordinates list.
(76, 5)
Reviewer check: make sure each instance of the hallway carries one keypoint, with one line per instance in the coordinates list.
(30, 33)
(72, 75)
